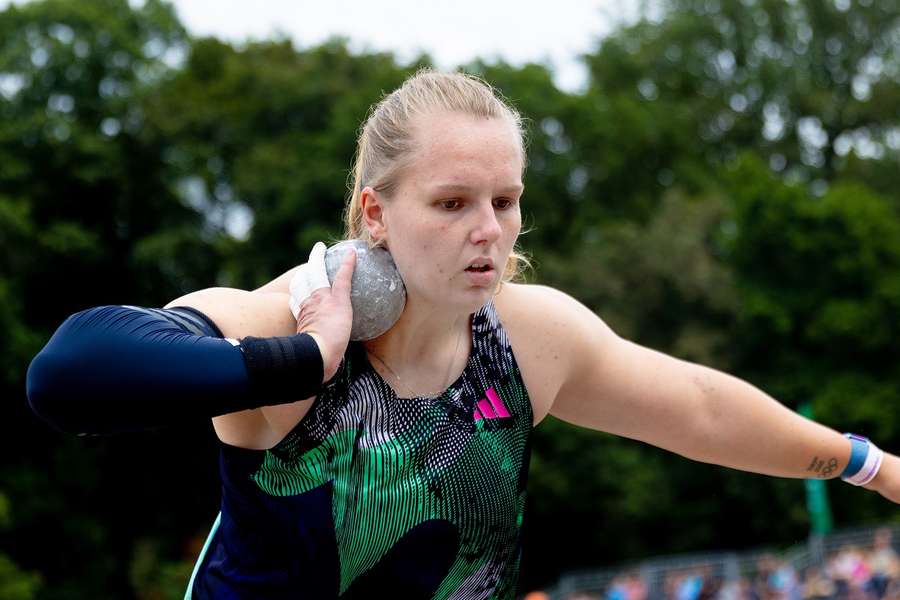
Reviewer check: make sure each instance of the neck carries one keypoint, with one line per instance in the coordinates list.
(424, 337)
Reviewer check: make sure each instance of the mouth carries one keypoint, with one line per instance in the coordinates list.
(481, 265)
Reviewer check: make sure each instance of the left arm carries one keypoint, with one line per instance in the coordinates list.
(617, 386)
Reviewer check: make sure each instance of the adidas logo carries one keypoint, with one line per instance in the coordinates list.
(490, 407)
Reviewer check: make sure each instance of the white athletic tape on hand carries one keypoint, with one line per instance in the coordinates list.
(309, 278)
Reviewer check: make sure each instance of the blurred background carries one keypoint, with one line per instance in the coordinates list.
(716, 179)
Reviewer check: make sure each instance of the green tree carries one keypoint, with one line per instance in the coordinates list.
(820, 286)
(80, 194)
(807, 85)
(263, 136)
(15, 584)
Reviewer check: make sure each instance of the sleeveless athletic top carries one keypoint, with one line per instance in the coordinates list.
(373, 496)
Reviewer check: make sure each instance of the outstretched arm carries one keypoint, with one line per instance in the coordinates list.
(617, 386)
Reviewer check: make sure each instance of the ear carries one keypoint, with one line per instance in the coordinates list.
(373, 214)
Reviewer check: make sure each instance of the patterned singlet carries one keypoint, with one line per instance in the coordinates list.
(374, 496)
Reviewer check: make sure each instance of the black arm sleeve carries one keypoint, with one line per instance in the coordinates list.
(123, 368)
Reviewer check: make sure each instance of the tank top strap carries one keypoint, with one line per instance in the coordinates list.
(494, 372)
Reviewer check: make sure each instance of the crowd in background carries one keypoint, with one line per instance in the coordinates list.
(852, 572)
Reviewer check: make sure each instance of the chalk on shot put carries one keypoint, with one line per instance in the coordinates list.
(377, 293)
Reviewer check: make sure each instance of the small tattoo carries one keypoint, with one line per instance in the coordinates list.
(817, 466)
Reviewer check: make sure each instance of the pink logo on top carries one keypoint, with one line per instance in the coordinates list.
(491, 407)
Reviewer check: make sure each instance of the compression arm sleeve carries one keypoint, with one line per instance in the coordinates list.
(123, 368)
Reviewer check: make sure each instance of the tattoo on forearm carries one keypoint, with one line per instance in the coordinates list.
(821, 467)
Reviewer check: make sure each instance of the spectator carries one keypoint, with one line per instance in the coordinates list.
(817, 586)
(783, 582)
(741, 589)
(617, 589)
(689, 587)
(636, 587)
(765, 566)
(884, 563)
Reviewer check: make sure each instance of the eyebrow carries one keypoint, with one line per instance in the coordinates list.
(461, 187)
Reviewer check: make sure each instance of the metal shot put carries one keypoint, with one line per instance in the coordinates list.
(377, 293)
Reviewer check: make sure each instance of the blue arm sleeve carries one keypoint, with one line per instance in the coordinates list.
(121, 368)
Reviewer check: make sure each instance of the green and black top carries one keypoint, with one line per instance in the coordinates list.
(372, 495)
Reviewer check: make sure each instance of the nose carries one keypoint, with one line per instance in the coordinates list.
(487, 228)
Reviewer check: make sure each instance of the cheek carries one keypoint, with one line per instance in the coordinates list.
(512, 231)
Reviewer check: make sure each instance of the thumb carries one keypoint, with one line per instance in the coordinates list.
(343, 278)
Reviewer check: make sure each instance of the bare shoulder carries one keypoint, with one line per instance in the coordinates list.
(547, 329)
(522, 300)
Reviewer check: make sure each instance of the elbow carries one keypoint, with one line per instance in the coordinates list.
(708, 429)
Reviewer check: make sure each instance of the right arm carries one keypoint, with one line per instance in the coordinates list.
(112, 369)
(122, 368)
(239, 313)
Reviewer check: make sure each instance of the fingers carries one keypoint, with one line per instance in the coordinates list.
(344, 276)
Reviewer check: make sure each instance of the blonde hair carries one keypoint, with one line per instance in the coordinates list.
(386, 145)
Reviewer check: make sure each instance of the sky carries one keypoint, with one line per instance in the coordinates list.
(451, 31)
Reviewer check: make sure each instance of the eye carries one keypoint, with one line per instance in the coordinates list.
(503, 203)
(450, 204)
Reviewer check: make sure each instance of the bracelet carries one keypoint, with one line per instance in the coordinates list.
(865, 460)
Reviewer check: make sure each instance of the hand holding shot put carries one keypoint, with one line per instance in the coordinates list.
(374, 289)
(323, 309)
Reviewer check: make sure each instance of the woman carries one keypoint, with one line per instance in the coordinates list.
(399, 465)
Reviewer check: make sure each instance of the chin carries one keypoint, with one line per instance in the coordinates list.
(478, 297)
(458, 298)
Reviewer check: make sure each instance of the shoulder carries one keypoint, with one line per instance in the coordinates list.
(239, 313)
(524, 300)
(551, 334)
(543, 310)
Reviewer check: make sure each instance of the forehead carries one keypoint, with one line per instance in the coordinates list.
(453, 148)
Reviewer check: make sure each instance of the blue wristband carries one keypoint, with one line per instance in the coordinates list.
(859, 451)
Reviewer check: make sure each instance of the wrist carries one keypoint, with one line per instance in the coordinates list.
(327, 370)
(286, 366)
(878, 482)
